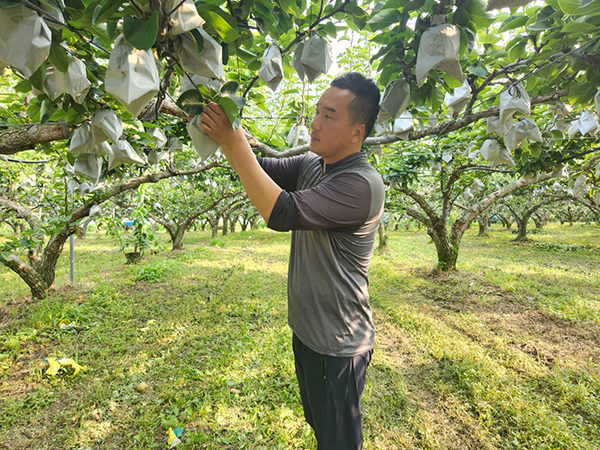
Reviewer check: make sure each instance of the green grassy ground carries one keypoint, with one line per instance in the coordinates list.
(503, 354)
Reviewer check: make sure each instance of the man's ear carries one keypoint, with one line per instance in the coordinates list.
(359, 133)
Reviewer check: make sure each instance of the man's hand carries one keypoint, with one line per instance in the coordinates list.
(215, 123)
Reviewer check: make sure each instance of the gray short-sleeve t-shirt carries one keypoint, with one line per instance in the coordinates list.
(334, 217)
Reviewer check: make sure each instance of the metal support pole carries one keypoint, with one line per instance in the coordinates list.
(72, 257)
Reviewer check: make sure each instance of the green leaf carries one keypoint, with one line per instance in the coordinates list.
(517, 51)
(58, 57)
(289, 6)
(223, 23)
(230, 88)
(198, 39)
(436, 98)
(535, 150)
(141, 33)
(479, 16)
(461, 17)
(37, 79)
(582, 93)
(513, 22)
(106, 9)
(23, 86)
(383, 19)
(479, 70)
(111, 28)
(579, 27)
(46, 110)
(230, 109)
(575, 8)
(192, 102)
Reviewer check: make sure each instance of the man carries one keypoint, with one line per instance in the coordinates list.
(332, 199)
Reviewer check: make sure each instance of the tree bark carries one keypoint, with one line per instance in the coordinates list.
(382, 234)
(482, 220)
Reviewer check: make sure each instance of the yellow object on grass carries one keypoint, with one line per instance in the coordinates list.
(57, 363)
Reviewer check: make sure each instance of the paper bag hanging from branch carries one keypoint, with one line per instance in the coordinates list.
(208, 62)
(51, 88)
(524, 129)
(496, 155)
(204, 145)
(403, 125)
(298, 135)
(73, 185)
(81, 140)
(131, 76)
(457, 101)
(160, 140)
(513, 99)
(588, 123)
(106, 125)
(184, 18)
(103, 148)
(296, 63)
(493, 126)
(24, 39)
(560, 109)
(84, 188)
(158, 136)
(580, 188)
(197, 80)
(394, 100)
(90, 166)
(439, 49)
(499, 4)
(316, 57)
(74, 82)
(271, 69)
(124, 153)
(155, 157)
(478, 186)
(561, 171)
(597, 103)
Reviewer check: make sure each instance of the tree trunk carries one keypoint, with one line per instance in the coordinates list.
(521, 229)
(225, 225)
(382, 233)
(482, 220)
(570, 216)
(505, 221)
(178, 239)
(37, 284)
(214, 226)
(232, 222)
(447, 252)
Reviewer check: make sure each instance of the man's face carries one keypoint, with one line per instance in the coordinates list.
(333, 137)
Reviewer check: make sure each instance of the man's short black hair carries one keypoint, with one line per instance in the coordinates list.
(364, 108)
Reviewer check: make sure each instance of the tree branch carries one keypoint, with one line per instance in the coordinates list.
(21, 212)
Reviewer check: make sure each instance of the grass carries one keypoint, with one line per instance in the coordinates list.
(500, 355)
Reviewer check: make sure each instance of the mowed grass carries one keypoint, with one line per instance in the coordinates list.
(503, 354)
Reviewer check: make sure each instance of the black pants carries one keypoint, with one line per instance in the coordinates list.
(331, 389)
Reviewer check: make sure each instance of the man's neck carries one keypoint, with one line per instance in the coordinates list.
(331, 162)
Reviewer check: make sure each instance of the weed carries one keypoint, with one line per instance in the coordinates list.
(157, 271)
(561, 247)
(217, 242)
